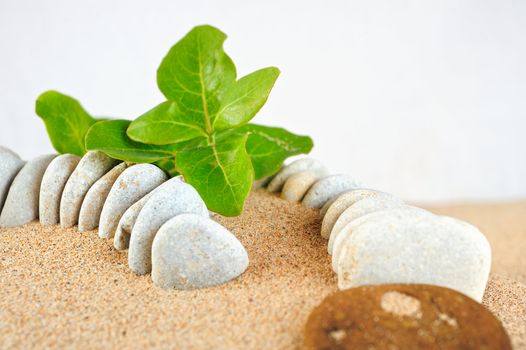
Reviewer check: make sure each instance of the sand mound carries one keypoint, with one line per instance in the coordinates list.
(61, 288)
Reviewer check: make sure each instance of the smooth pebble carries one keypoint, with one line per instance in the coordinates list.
(340, 203)
(339, 240)
(298, 184)
(277, 182)
(21, 204)
(429, 249)
(176, 197)
(133, 184)
(53, 182)
(91, 167)
(10, 165)
(192, 251)
(91, 208)
(327, 188)
(359, 209)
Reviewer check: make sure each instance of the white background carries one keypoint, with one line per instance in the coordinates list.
(425, 99)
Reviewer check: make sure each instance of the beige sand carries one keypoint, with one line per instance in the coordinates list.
(61, 288)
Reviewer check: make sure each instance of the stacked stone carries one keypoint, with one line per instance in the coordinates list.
(375, 238)
(163, 222)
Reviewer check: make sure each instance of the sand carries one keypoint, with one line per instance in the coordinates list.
(64, 289)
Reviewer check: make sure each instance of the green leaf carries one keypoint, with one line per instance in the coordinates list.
(221, 172)
(196, 73)
(245, 98)
(110, 137)
(164, 124)
(268, 147)
(66, 121)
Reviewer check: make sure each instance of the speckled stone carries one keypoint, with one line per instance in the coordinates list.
(121, 240)
(313, 165)
(21, 204)
(93, 202)
(192, 251)
(133, 184)
(175, 198)
(91, 167)
(346, 231)
(359, 209)
(327, 188)
(298, 184)
(402, 316)
(10, 165)
(397, 248)
(338, 205)
(53, 182)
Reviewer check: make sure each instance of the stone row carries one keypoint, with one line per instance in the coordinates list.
(164, 223)
(375, 238)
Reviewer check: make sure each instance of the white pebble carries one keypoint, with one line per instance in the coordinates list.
(10, 165)
(93, 202)
(91, 167)
(53, 182)
(192, 251)
(357, 210)
(327, 188)
(340, 203)
(277, 182)
(133, 184)
(298, 184)
(21, 204)
(397, 248)
(176, 197)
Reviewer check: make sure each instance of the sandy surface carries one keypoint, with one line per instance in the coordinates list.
(64, 289)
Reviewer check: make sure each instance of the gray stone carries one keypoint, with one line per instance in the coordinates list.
(327, 188)
(91, 208)
(340, 203)
(398, 248)
(298, 184)
(10, 165)
(21, 204)
(121, 240)
(175, 198)
(133, 184)
(53, 182)
(347, 230)
(359, 209)
(91, 167)
(277, 182)
(191, 251)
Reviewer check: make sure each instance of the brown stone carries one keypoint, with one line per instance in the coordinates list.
(403, 316)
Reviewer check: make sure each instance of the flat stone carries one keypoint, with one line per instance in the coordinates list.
(175, 198)
(397, 248)
(53, 182)
(10, 165)
(298, 184)
(191, 251)
(121, 240)
(339, 240)
(357, 210)
(403, 316)
(91, 208)
(21, 204)
(315, 166)
(91, 167)
(340, 203)
(133, 184)
(327, 188)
